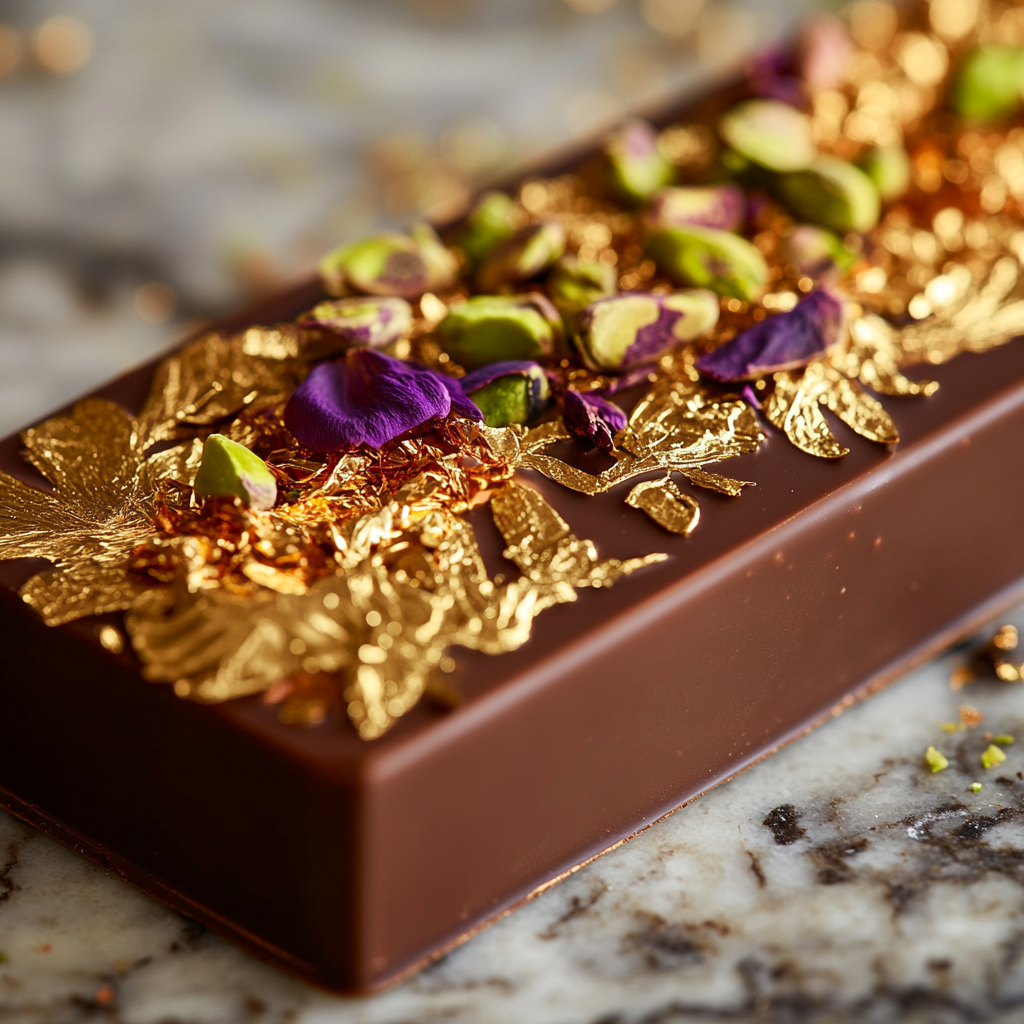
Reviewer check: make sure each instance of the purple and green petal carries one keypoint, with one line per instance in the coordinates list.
(512, 391)
(634, 328)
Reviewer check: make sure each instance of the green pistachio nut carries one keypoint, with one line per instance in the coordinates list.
(636, 166)
(516, 396)
(493, 328)
(769, 133)
(990, 84)
(574, 284)
(372, 321)
(230, 469)
(889, 168)
(710, 258)
(491, 221)
(816, 251)
(634, 328)
(402, 265)
(832, 193)
(528, 253)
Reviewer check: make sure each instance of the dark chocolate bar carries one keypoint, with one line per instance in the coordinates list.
(351, 848)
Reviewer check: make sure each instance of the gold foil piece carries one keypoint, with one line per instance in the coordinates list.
(98, 511)
(665, 504)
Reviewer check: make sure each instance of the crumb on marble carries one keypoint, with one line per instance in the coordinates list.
(935, 759)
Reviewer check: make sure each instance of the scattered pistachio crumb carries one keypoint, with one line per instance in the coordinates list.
(951, 726)
(975, 787)
(960, 676)
(970, 715)
(1004, 741)
(937, 761)
(992, 756)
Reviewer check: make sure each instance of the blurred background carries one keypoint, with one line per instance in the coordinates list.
(162, 162)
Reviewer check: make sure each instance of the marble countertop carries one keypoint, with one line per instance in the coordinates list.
(837, 881)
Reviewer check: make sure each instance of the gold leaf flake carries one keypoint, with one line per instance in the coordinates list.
(215, 377)
(793, 407)
(677, 426)
(88, 526)
(665, 504)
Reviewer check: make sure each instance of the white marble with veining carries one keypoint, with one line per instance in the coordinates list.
(898, 897)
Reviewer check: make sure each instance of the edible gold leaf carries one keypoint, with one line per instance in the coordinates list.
(665, 504)
(88, 526)
(873, 356)
(215, 377)
(794, 407)
(677, 426)
(971, 313)
(380, 632)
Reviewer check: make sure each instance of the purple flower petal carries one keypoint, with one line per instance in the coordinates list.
(592, 420)
(365, 397)
(781, 342)
(461, 405)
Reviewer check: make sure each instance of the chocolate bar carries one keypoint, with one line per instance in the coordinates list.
(352, 643)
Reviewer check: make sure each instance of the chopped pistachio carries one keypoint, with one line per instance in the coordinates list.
(509, 392)
(633, 328)
(769, 133)
(714, 206)
(575, 284)
(710, 258)
(952, 726)
(935, 760)
(525, 255)
(636, 166)
(403, 265)
(992, 756)
(488, 224)
(1004, 741)
(990, 84)
(493, 328)
(975, 787)
(230, 469)
(833, 193)
(889, 168)
(375, 321)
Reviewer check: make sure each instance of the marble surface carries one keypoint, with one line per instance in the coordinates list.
(837, 881)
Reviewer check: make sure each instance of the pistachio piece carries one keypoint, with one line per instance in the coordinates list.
(769, 133)
(230, 469)
(636, 166)
(833, 193)
(401, 265)
(373, 322)
(575, 283)
(529, 252)
(633, 328)
(889, 168)
(717, 206)
(491, 220)
(709, 258)
(990, 84)
(816, 251)
(492, 328)
(512, 391)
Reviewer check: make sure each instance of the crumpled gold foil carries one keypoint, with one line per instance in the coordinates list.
(679, 427)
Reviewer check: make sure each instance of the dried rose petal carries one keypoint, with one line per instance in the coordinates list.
(781, 342)
(365, 397)
(592, 420)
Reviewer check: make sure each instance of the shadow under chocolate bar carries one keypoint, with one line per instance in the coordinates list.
(354, 863)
